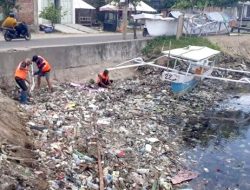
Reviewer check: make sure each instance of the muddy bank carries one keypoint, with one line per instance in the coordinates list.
(12, 123)
(17, 156)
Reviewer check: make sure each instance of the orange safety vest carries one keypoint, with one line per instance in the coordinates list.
(104, 78)
(46, 67)
(21, 72)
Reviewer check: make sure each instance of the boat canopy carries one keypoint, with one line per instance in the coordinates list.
(193, 53)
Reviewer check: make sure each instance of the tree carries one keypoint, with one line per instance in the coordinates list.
(168, 4)
(204, 3)
(95, 3)
(52, 13)
(8, 6)
(184, 4)
(135, 3)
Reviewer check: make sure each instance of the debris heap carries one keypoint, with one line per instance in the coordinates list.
(131, 130)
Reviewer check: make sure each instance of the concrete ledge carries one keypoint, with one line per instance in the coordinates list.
(78, 57)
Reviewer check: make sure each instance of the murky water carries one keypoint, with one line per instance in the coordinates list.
(219, 149)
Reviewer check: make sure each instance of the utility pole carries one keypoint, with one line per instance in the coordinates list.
(35, 4)
(124, 19)
(180, 27)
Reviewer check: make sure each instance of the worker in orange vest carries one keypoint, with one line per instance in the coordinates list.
(21, 73)
(44, 69)
(103, 79)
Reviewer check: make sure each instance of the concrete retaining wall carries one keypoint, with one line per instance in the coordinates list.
(67, 61)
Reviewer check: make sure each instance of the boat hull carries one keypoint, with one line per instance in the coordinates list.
(180, 88)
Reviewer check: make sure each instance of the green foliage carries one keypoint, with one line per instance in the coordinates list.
(52, 13)
(168, 4)
(156, 45)
(7, 6)
(134, 3)
(95, 3)
(183, 4)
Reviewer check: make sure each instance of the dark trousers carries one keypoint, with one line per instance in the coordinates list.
(24, 93)
(21, 83)
(105, 82)
(21, 28)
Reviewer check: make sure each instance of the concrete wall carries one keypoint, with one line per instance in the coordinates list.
(72, 62)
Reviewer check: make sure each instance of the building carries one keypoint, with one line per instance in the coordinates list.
(70, 7)
(25, 11)
(77, 11)
(66, 7)
(244, 11)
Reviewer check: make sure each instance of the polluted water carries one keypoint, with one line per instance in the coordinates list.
(221, 151)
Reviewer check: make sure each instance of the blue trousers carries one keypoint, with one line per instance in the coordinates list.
(24, 97)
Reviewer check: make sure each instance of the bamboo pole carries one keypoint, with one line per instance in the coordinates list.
(126, 66)
(138, 59)
(180, 27)
(32, 79)
(243, 80)
(232, 70)
(100, 167)
(125, 20)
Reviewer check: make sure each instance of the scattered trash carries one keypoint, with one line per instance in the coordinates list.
(152, 140)
(206, 170)
(148, 147)
(165, 185)
(183, 175)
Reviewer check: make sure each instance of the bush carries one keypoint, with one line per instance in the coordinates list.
(52, 13)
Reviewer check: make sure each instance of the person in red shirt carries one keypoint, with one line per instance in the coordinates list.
(103, 79)
(21, 74)
(44, 69)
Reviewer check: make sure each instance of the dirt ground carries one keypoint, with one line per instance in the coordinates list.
(235, 45)
(12, 129)
(16, 146)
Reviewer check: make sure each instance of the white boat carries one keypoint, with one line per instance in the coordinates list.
(191, 65)
(199, 61)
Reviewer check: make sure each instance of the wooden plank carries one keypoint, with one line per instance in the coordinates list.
(240, 28)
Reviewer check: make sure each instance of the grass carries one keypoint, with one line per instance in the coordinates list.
(155, 46)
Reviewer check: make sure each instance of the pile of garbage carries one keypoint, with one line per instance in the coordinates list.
(125, 137)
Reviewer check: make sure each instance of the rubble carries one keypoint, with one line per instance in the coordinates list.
(183, 175)
(135, 124)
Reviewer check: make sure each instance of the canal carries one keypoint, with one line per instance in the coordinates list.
(218, 147)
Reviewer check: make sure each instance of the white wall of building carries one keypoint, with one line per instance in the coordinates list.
(41, 5)
(67, 5)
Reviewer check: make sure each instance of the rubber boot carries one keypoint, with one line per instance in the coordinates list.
(24, 97)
